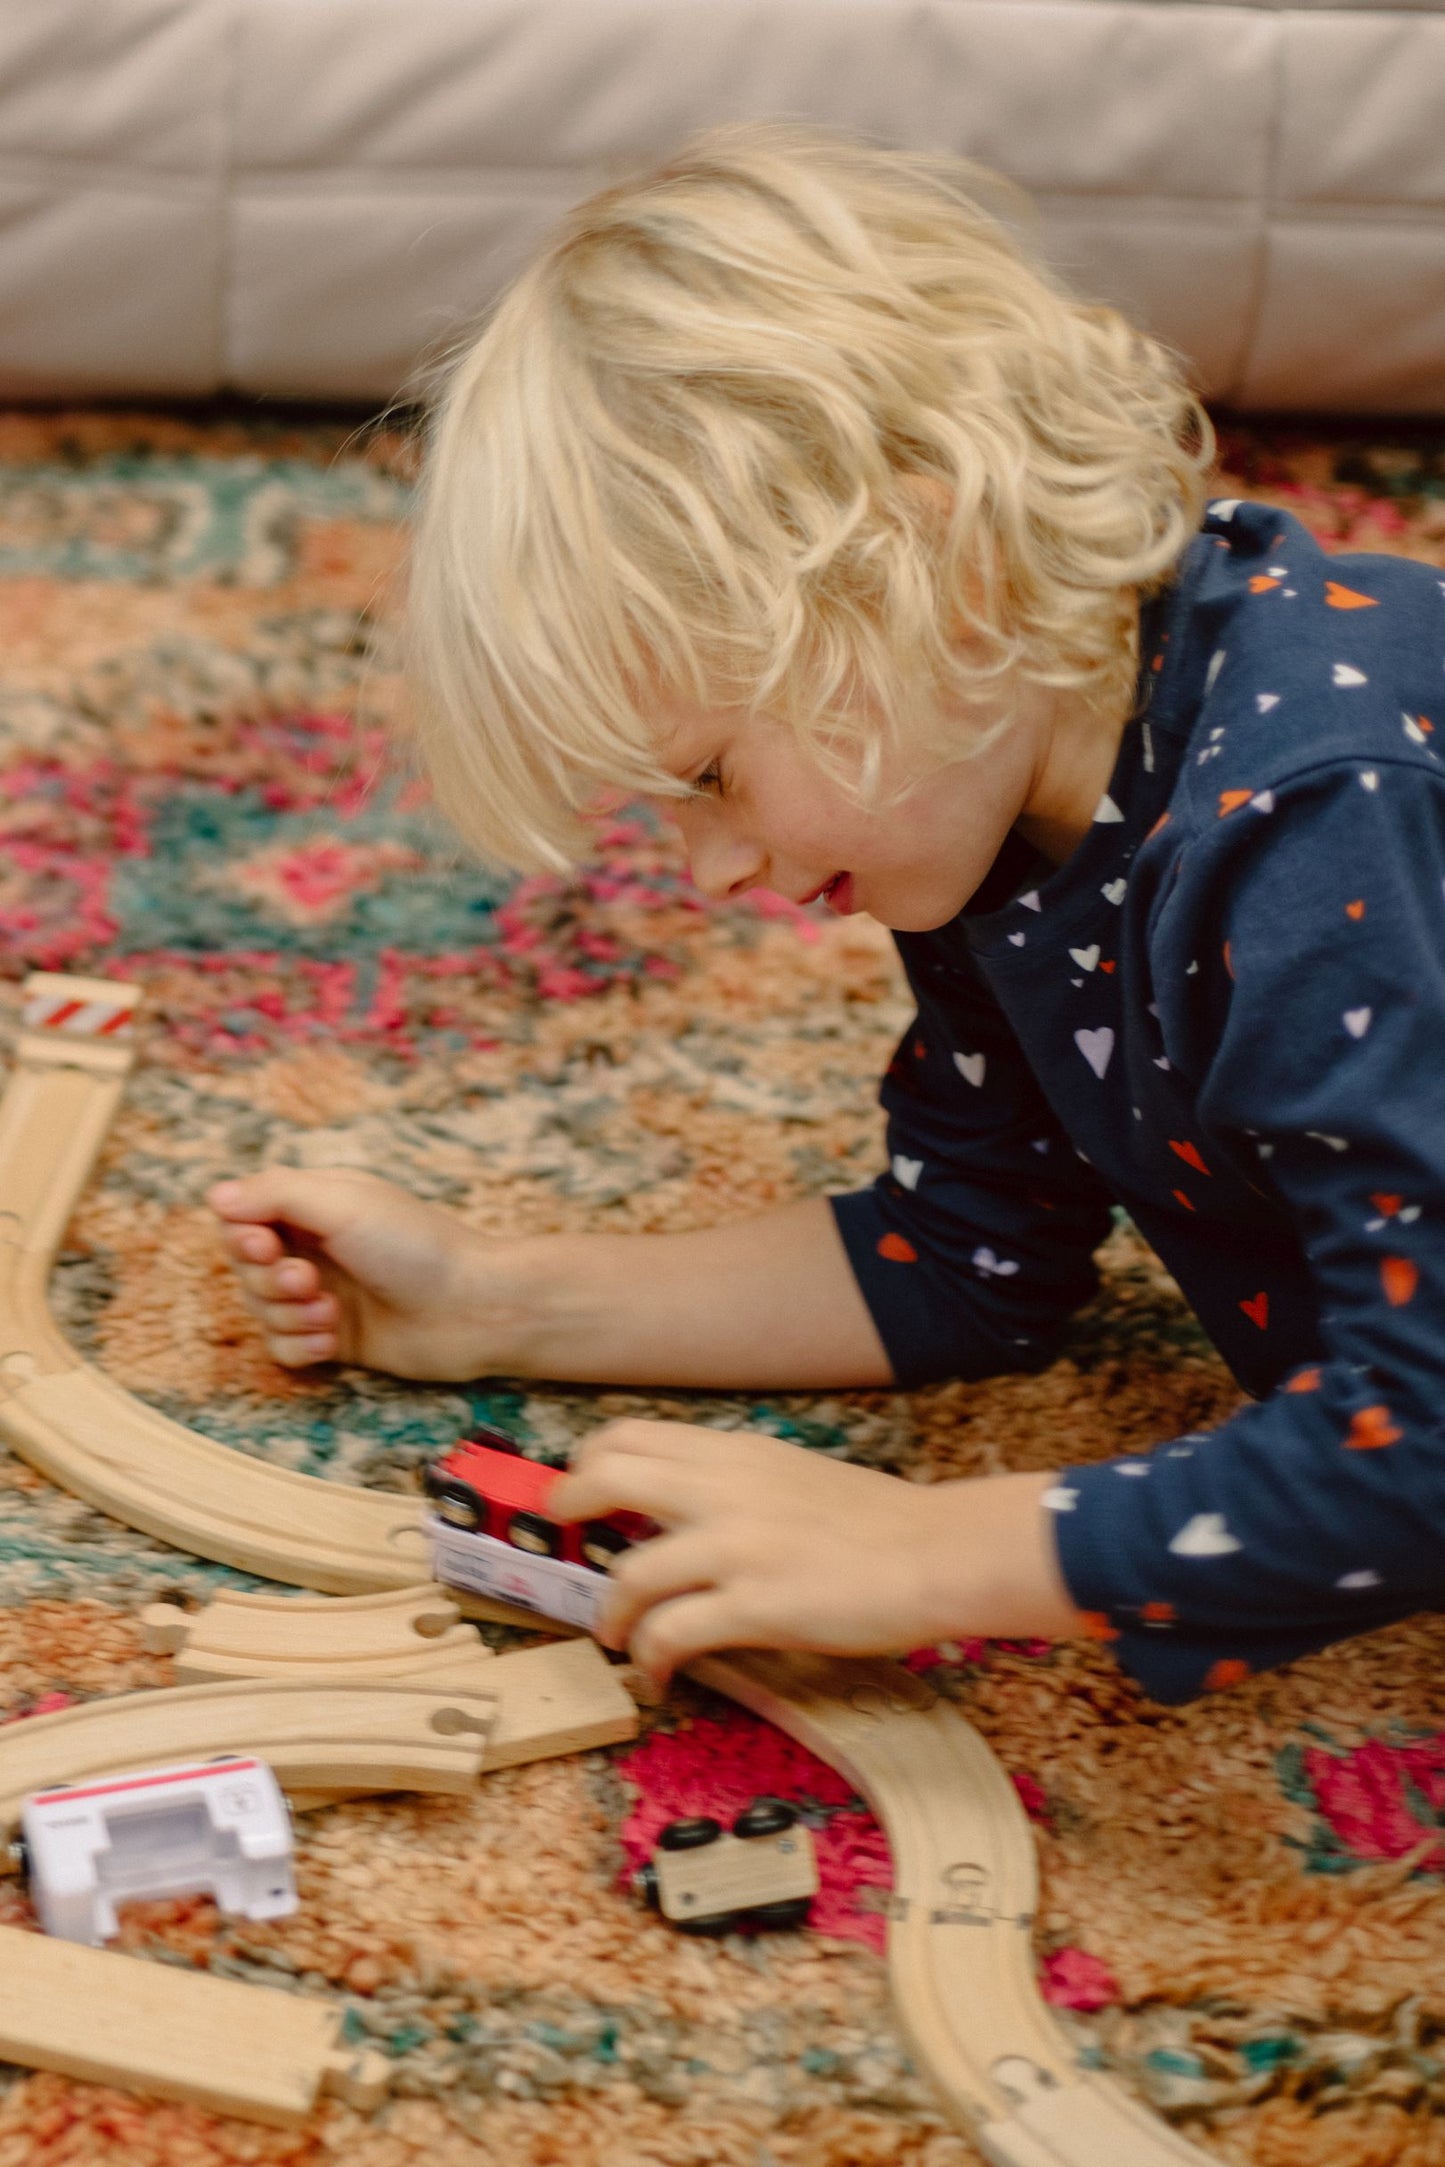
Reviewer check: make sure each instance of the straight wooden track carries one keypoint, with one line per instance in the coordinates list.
(105, 2018)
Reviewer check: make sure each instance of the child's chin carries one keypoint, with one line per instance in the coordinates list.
(916, 916)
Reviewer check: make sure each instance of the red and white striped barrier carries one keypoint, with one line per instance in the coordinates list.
(79, 1007)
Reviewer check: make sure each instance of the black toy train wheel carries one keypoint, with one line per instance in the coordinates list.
(529, 1531)
(689, 1834)
(457, 1503)
(794, 1912)
(765, 1817)
(600, 1543)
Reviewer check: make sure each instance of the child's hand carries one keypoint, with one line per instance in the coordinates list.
(341, 1266)
(765, 1545)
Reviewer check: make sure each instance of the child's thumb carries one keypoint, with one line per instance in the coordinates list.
(285, 1194)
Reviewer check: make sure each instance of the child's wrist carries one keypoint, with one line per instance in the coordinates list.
(499, 1294)
(990, 1563)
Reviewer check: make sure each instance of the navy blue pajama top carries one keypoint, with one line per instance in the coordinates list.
(1226, 1013)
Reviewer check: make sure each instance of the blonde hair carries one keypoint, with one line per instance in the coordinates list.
(790, 426)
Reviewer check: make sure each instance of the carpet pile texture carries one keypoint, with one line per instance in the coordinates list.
(1244, 1900)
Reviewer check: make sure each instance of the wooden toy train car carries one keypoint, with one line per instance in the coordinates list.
(491, 1532)
(219, 1828)
(708, 1880)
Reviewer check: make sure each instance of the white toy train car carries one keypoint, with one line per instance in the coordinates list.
(218, 1828)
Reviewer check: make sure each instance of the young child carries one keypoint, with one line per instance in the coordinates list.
(785, 490)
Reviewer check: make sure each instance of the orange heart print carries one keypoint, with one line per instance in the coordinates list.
(1371, 1428)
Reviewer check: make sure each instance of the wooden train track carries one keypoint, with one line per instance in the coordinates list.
(89, 1435)
(959, 1937)
(562, 1697)
(318, 1737)
(253, 2051)
(960, 1948)
(411, 1633)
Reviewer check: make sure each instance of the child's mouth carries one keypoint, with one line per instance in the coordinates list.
(838, 895)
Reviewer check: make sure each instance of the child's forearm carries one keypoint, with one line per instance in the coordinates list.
(769, 1302)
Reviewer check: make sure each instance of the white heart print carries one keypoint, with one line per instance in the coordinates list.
(1097, 1047)
(906, 1171)
(970, 1066)
(1357, 1021)
(1086, 958)
(1205, 1536)
(1346, 674)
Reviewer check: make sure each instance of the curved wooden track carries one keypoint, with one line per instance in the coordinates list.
(412, 1632)
(98, 1441)
(960, 1943)
(561, 1697)
(318, 1737)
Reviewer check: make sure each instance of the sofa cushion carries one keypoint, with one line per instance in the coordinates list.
(311, 197)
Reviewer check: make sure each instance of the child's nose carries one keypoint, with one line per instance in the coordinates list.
(723, 865)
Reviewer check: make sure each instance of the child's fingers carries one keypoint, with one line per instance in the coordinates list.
(664, 1469)
(284, 1318)
(673, 1633)
(319, 1203)
(247, 1244)
(621, 1483)
(294, 1279)
(296, 1350)
(265, 1265)
(655, 1572)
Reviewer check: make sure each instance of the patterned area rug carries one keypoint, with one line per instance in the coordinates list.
(1244, 1910)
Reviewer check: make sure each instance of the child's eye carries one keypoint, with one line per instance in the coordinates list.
(709, 779)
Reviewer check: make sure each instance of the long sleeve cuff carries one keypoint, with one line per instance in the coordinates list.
(924, 1322)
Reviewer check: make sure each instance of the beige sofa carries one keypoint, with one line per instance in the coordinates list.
(306, 197)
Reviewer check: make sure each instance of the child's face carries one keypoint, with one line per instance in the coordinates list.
(763, 815)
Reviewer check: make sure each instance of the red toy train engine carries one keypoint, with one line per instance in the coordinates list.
(491, 1531)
